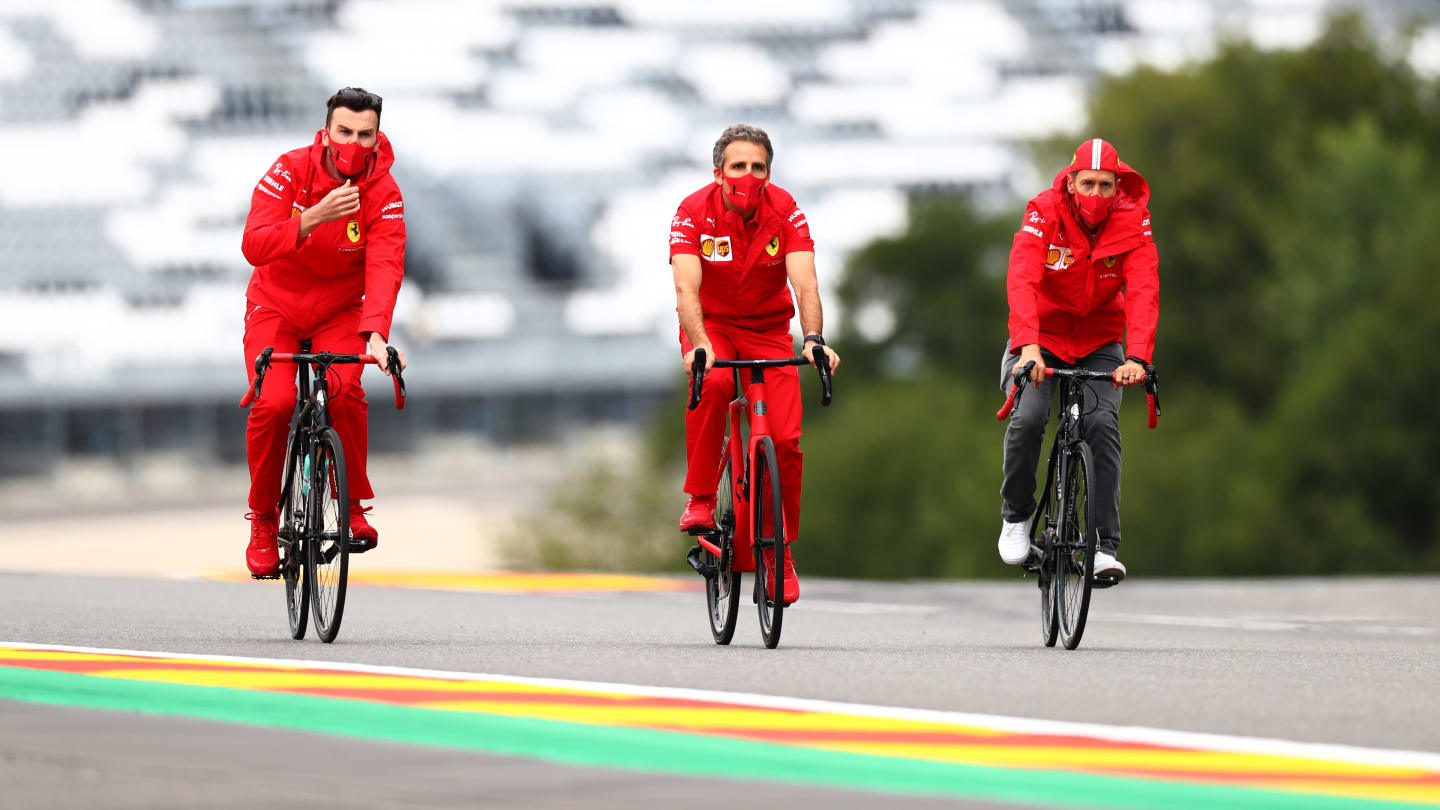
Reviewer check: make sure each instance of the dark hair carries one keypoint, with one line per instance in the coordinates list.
(357, 99)
(742, 132)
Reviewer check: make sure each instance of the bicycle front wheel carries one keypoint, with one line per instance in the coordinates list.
(765, 483)
(721, 589)
(328, 541)
(293, 496)
(1075, 560)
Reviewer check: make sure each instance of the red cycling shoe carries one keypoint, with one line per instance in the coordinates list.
(360, 528)
(699, 514)
(262, 556)
(792, 582)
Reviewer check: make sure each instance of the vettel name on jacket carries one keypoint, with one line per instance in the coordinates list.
(361, 256)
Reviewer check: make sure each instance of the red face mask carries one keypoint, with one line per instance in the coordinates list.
(1093, 209)
(745, 191)
(349, 157)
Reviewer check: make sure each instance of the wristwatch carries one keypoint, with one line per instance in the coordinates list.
(816, 339)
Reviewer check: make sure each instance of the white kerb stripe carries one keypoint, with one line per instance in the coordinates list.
(1095, 153)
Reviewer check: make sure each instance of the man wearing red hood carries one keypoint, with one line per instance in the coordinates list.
(1084, 292)
(326, 235)
(733, 246)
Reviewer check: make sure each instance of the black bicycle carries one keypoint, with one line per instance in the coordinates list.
(1062, 537)
(314, 531)
(749, 519)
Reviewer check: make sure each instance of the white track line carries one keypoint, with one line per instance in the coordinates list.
(1130, 734)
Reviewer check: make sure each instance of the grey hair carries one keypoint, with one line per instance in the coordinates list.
(743, 132)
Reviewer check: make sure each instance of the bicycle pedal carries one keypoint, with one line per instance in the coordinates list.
(699, 532)
(702, 568)
(262, 579)
(1103, 582)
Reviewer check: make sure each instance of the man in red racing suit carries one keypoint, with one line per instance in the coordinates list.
(1084, 292)
(733, 246)
(326, 235)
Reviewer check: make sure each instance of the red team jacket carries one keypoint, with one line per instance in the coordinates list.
(1072, 297)
(310, 280)
(743, 280)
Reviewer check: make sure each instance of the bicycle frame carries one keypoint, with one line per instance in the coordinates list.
(748, 406)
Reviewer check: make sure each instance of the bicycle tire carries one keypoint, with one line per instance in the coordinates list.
(765, 484)
(1042, 529)
(722, 589)
(292, 534)
(1075, 564)
(328, 539)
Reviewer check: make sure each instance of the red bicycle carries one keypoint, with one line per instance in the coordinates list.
(748, 516)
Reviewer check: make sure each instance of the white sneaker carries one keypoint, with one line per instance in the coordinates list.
(1107, 566)
(1014, 542)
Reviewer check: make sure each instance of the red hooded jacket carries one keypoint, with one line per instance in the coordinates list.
(743, 279)
(361, 256)
(1072, 295)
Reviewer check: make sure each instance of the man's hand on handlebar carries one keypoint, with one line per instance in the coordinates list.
(1132, 373)
(809, 353)
(377, 350)
(709, 359)
(1031, 354)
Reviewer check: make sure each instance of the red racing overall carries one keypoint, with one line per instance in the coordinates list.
(333, 287)
(747, 307)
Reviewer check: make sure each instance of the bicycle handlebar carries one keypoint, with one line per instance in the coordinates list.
(1022, 377)
(269, 356)
(822, 365)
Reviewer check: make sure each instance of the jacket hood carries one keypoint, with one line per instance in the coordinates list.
(377, 165)
(1128, 223)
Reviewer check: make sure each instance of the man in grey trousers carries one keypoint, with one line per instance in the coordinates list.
(1084, 292)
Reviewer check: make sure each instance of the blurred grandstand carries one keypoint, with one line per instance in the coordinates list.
(542, 147)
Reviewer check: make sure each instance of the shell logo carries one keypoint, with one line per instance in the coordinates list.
(1052, 256)
(707, 247)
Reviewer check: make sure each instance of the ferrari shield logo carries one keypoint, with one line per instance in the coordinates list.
(774, 246)
(352, 230)
(707, 246)
(1109, 261)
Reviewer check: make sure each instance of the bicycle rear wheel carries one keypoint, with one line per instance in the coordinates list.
(328, 541)
(1075, 562)
(1042, 535)
(721, 589)
(765, 483)
(292, 538)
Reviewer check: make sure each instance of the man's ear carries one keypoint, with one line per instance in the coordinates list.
(1070, 184)
(719, 178)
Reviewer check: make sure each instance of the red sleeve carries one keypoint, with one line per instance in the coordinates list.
(271, 232)
(384, 263)
(1142, 299)
(798, 239)
(684, 237)
(1022, 281)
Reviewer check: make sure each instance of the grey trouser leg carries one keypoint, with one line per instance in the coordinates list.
(1025, 437)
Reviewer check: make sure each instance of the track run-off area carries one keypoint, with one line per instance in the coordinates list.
(887, 692)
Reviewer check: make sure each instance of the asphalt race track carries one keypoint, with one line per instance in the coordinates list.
(1347, 662)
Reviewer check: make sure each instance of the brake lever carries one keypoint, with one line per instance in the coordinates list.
(822, 365)
(697, 378)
